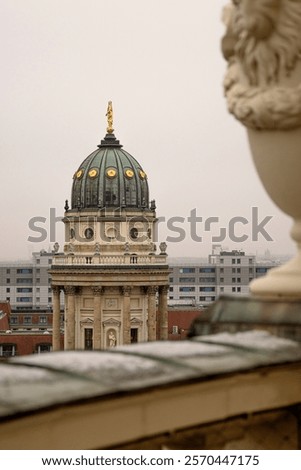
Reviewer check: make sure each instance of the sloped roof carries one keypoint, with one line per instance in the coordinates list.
(40, 382)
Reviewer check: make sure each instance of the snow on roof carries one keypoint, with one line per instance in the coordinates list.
(35, 382)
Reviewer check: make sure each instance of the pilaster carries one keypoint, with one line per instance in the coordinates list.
(97, 327)
(163, 312)
(70, 317)
(56, 327)
(126, 291)
(151, 323)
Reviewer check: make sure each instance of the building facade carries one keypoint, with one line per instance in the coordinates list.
(18, 339)
(21, 343)
(109, 272)
(227, 272)
(26, 285)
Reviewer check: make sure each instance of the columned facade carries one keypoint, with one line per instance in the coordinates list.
(115, 282)
(103, 316)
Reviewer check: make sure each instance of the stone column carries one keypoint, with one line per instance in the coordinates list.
(151, 323)
(56, 323)
(163, 328)
(126, 290)
(97, 326)
(70, 318)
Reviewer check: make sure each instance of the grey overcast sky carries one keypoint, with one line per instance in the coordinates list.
(160, 63)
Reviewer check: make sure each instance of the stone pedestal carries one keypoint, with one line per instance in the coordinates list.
(232, 314)
(262, 86)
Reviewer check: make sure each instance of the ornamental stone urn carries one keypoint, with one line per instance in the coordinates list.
(262, 45)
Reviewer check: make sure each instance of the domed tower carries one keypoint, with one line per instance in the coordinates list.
(115, 284)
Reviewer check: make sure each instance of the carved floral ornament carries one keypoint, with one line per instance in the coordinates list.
(70, 290)
(56, 290)
(152, 290)
(262, 45)
(97, 290)
(126, 290)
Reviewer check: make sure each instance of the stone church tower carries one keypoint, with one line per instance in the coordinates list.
(115, 284)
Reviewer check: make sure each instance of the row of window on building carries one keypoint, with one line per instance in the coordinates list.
(234, 280)
(11, 349)
(206, 269)
(28, 320)
(203, 284)
(257, 270)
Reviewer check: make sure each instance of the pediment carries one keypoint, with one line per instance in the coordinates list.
(87, 321)
(136, 321)
(111, 322)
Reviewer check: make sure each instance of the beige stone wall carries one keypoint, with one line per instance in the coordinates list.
(111, 231)
(274, 430)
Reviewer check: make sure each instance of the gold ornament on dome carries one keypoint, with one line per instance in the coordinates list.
(93, 173)
(111, 172)
(109, 115)
(79, 174)
(142, 174)
(129, 173)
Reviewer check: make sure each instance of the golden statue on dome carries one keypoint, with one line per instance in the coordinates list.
(109, 115)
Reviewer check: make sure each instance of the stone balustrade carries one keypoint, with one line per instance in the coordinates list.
(99, 259)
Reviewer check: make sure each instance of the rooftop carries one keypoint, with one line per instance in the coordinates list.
(49, 387)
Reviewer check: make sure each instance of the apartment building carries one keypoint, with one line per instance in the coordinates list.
(226, 272)
(27, 284)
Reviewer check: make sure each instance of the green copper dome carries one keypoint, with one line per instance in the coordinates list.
(110, 177)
